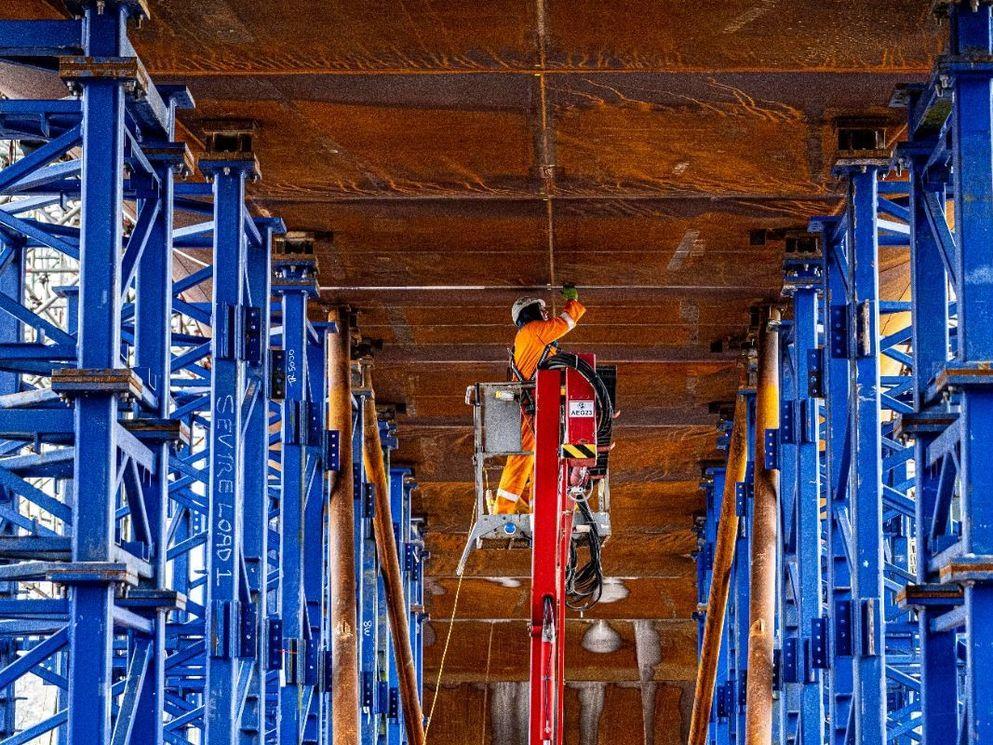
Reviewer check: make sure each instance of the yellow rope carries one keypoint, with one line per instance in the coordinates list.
(486, 687)
(448, 639)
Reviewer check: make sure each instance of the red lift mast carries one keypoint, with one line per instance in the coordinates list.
(565, 437)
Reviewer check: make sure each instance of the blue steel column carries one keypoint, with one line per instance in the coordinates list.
(786, 712)
(972, 141)
(401, 486)
(387, 694)
(316, 569)
(866, 471)
(417, 556)
(295, 284)
(11, 285)
(706, 529)
(225, 586)
(804, 275)
(930, 324)
(366, 584)
(837, 524)
(256, 464)
(153, 358)
(737, 630)
(91, 627)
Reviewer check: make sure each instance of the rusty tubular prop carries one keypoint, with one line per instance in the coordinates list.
(765, 527)
(341, 543)
(389, 566)
(727, 538)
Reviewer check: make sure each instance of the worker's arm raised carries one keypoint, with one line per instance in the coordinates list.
(555, 328)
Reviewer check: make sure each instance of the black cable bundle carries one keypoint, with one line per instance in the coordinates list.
(605, 406)
(584, 585)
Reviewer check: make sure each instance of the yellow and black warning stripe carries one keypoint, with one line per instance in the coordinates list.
(579, 452)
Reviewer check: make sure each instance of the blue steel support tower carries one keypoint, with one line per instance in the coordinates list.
(230, 610)
(302, 492)
(803, 652)
(949, 154)
(163, 416)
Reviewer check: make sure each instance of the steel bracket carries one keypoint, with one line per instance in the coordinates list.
(393, 711)
(743, 491)
(315, 424)
(76, 69)
(332, 450)
(310, 663)
(865, 343)
(787, 423)
(325, 671)
(274, 658)
(839, 332)
(725, 700)
(223, 642)
(868, 643)
(771, 450)
(843, 628)
(790, 660)
(294, 661)
(382, 697)
(249, 637)
(277, 374)
(298, 422)
(815, 375)
(819, 657)
(227, 331)
(252, 330)
(368, 690)
(369, 501)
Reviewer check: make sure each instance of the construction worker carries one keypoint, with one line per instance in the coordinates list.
(534, 343)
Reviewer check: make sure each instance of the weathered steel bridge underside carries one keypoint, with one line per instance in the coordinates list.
(449, 154)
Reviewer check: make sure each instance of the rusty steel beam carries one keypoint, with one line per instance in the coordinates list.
(724, 550)
(389, 566)
(341, 542)
(765, 529)
(636, 419)
(451, 354)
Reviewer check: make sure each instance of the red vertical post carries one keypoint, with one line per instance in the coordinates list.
(547, 567)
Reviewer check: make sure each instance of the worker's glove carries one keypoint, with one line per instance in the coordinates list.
(569, 292)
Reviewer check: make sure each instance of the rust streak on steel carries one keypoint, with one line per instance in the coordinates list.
(389, 565)
(727, 538)
(344, 639)
(765, 516)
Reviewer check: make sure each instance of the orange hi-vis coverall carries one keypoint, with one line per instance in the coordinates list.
(529, 345)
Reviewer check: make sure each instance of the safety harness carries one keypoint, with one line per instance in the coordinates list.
(527, 394)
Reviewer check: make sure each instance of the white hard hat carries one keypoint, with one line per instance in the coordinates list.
(521, 303)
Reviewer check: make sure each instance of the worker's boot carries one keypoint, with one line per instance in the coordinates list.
(491, 503)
